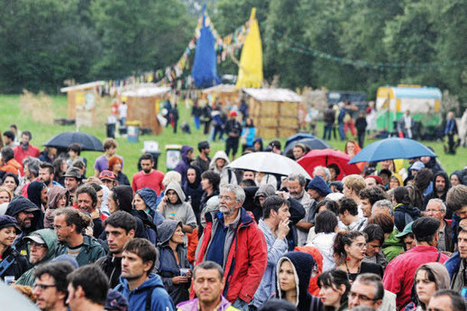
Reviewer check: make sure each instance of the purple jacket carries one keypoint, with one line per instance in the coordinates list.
(184, 164)
(192, 305)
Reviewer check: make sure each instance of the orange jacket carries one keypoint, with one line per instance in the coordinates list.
(12, 166)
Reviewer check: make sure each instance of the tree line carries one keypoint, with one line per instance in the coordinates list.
(341, 44)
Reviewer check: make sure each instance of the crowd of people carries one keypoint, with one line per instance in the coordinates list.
(205, 237)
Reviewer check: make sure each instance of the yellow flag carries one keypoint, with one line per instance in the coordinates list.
(250, 72)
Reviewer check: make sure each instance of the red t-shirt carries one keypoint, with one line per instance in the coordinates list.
(152, 180)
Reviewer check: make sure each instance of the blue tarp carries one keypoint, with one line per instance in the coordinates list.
(204, 70)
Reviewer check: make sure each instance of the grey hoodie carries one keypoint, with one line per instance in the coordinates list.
(181, 210)
(227, 176)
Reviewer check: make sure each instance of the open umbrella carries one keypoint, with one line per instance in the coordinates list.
(87, 142)
(326, 157)
(296, 137)
(268, 162)
(312, 143)
(13, 300)
(392, 148)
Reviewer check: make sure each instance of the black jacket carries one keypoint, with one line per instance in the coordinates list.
(19, 265)
(112, 267)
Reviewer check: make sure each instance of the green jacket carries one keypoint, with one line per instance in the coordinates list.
(91, 250)
(50, 238)
(393, 246)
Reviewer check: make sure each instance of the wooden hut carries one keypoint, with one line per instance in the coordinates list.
(82, 99)
(144, 104)
(224, 93)
(275, 112)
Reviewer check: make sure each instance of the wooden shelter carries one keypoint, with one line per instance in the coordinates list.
(275, 112)
(144, 104)
(82, 101)
(224, 93)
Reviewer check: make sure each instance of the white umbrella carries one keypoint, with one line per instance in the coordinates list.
(268, 162)
(11, 299)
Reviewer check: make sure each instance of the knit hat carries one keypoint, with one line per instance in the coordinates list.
(233, 113)
(318, 184)
(116, 301)
(378, 179)
(424, 227)
(8, 221)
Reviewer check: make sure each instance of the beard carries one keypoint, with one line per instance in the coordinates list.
(226, 210)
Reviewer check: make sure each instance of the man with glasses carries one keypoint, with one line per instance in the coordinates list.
(69, 224)
(435, 208)
(367, 290)
(232, 239)
(51, 284)
(42, 245)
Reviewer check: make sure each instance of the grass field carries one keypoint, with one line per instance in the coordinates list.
(30, 120)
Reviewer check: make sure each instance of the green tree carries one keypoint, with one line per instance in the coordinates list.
(139, 36)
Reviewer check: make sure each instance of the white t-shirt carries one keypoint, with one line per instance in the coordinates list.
(122, 109)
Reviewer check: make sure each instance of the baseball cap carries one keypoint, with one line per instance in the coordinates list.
(417, 166)
(233, 113)
(35, 238)
(106, 174)
(407, 230)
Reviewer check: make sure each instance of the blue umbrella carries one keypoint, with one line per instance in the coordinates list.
(296, 137)
(392, 148)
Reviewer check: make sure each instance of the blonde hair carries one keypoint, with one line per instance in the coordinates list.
(354, 182)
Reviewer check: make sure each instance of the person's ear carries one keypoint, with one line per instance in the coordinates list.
(147, 265)
(341, 289)
(131, 233)
(378, 304)
(347, 248)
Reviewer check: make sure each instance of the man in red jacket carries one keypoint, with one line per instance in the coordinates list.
(400, 272)
(24, 149)
(233, 240)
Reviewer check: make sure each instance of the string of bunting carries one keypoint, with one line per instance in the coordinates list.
(226, 47)
(299, 47)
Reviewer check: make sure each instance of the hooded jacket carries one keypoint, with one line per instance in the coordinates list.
(20, 204)
(160, 299)
(166, 265)
(184, 163)
(392, 246)
(227, 176)
(181, 210)
(403, 214)
(54, 196)
(246, 259)
(303, 264)
(319, 185)
(34, 192)
(91, 250)
(50, 238)
(194, 191)
(260, 140)
(149, 197)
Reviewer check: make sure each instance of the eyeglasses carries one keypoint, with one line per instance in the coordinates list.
(37, 245)
(360, 245)
(43, 286)
(353, 295)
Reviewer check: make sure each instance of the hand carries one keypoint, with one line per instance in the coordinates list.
(179, 279)
(283, 229)
(283, 195)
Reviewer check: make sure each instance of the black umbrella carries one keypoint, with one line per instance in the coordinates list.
(87, 142)
(312, 143)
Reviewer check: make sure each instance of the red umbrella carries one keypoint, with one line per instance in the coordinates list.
(324, 157)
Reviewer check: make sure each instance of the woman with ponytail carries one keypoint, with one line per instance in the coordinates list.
(349, 251)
